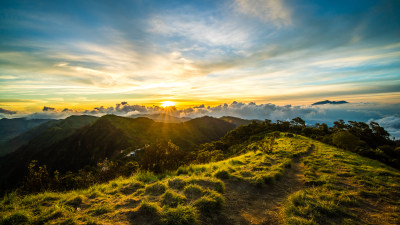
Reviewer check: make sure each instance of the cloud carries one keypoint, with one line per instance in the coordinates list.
(209, 31)
(385, 114)
(8, 112)
(274, 11)
(391, 124)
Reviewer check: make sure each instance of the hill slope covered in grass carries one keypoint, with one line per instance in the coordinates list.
(66, 148)
(301, 181)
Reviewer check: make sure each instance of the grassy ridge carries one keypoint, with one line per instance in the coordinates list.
(345, 188)
(340, 188)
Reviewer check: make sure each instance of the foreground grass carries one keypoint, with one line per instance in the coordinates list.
(341, 188)
(344, 188)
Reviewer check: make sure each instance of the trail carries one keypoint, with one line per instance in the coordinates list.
(246, 204)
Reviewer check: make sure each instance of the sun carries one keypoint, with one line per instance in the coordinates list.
(167, 103)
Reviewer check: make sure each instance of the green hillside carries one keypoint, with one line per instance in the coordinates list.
(235, 120)
(298, 181)
(47, 133)
(11, 128)
(66, 148)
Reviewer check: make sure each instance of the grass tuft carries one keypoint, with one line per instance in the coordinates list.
(177, 183)
(181, 215)
(172, 199)
(155, 189)
(193, 191)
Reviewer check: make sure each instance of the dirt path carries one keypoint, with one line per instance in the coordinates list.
(246, 204)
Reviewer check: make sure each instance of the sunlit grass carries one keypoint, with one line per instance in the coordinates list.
(338, 184)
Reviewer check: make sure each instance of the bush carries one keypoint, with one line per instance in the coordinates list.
(346, 140)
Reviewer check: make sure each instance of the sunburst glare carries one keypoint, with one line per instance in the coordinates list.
(168, 103)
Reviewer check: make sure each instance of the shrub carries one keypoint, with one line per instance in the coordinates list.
(172, 199)
(182, 215)
(155, 188)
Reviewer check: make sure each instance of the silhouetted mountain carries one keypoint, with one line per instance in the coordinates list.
(10, 128)
(107, 137)
(330, 102)
(47, 133)
(236, 120)
(162, 117)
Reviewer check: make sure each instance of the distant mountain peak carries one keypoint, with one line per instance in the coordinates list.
(330, 102)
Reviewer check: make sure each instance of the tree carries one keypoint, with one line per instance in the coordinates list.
(346, 140)
(38, 178)
(161, 156)
(298, 122)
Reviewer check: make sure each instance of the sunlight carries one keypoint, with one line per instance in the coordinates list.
(167, 103)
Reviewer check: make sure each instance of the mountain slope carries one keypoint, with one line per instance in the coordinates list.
(109, 137)
(301, 181)
(36, 141)
(163, 117)
(235, 120)
(47, 133)
(11, 128)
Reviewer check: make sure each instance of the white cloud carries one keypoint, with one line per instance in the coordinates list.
(391, 124)
(211, 32)
(274, 11)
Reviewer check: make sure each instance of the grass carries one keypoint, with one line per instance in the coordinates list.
(340, 188)
(344, 188)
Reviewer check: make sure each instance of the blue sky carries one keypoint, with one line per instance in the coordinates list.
(82, 54)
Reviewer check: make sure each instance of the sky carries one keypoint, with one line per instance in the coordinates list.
(76, 56)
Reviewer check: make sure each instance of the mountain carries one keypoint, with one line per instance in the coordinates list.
(47, 133)
(329, 102)
(10, 128)
(301, 181)
(163, 117)
(110, 136)
(236, 120)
